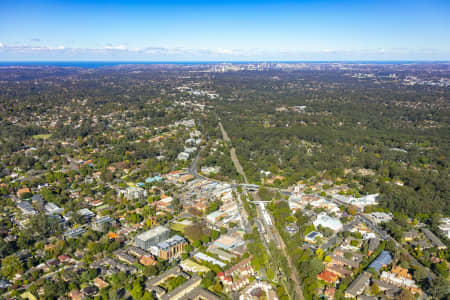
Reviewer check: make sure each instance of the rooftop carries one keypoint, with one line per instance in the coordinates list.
(175, 240)
(383, 259)
(152, 233)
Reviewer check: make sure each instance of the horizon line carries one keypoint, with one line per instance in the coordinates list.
(226, 61)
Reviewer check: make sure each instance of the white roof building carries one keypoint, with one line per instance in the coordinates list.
(359, 202)
(183, 156)
(190, 150)
(379, 217)
(445, 227)
(329, 222)
(397, 280)
(53, 209)
(203, 257)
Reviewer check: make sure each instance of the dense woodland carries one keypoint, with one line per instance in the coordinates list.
(400, 132)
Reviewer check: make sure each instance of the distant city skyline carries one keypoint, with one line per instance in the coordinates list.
(224, 30)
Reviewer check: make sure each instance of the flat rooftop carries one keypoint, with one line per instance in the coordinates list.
(152, 233)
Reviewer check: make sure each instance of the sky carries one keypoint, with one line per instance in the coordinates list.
(247, 30)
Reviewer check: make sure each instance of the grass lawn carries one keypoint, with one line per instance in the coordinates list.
(41, 136)
(195, 267)
(173, 282)
(178, 227)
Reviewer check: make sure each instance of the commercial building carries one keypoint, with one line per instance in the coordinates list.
(358, 202)
(215, 216)
(102, 224)
(170, 248)
(152, 237)
(222, 254)
(86, 213)
(228, 242)
(379, 217)
(200, 256)
(325, 220)
(73, 233)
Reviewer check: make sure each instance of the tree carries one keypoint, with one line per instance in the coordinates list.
(113, 294)
(206, 282)
(439, 288)
(54, 289)
(196, 231)
(441, 269)
(188, 248)
(10, 266)
(319, 253)
(265, 194)
(218, 287)
(5, 248)
(375, 289)
(215, 234)
(420, 274)
(197, 243)
(137, 290)
(205, 239)
(351, 210)
(405, 295)
(147, 296)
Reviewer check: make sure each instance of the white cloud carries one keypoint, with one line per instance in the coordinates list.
(225, 51)
(120, 47)
(41, 48)
(180, 53)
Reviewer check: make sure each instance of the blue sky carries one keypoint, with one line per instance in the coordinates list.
(224, 30)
